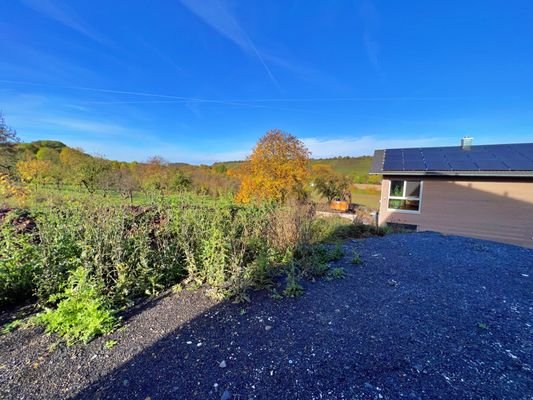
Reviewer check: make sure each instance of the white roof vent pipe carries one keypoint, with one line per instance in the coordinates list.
(466, 142)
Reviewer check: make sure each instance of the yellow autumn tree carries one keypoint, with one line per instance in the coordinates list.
(35, 171)
(277, 168)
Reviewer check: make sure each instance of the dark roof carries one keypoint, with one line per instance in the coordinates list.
(484, 160)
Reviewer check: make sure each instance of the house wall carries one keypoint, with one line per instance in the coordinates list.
(500, 210)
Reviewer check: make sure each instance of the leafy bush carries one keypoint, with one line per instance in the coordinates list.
(59, 249)
(18, 262)
(82, 313)
(336, 253)
(328, 230)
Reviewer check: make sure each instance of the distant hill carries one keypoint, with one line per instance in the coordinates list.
(38, 144)
(349, 166)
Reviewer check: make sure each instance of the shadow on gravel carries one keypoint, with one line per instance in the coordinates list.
(414, 321)
(143, 305)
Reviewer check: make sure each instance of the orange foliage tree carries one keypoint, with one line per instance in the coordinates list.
(277, 168)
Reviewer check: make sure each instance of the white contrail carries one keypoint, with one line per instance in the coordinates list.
(242, 101)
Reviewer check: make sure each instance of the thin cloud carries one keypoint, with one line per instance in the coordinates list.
(215, 14)
(65, 15)
(85, 125)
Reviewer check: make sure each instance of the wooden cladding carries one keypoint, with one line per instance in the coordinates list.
(499, 210)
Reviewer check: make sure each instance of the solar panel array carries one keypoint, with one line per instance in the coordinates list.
(505, 157)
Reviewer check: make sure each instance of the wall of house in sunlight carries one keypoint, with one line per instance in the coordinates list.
(499, 210)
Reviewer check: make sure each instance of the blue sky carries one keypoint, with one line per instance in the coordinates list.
(201, 81)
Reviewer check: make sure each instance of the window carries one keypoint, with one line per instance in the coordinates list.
(405, 195)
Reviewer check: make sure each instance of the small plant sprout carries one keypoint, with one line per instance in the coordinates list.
(356, 258)
(336, 273)
(110, 344)
(242, 312)
(275, 295)
(336, 253)
(482, 325)
(293, 289)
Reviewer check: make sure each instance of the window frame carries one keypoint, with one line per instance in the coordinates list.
(404, 197)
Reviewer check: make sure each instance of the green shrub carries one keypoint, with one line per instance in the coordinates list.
(82, 312)
(18, 262)
(336, 253)
(59, 249)
(313, 262)
(328, 230)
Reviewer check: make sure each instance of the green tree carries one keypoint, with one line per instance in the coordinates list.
(328, 183)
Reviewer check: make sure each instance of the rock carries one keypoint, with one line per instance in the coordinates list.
(368, 386)
(222, 364)
(268, 327)
(125, 382)
(226, 395)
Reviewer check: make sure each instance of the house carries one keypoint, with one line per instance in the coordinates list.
(478, 191)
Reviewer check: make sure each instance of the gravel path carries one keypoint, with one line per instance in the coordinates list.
(425, 316)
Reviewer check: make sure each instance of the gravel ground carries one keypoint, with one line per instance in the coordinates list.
(425, 316)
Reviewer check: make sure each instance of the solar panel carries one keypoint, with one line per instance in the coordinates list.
(414, 165)
(511, 157)
(457, 156)
(491, 165)
(463, 166)
(437, 164)
(394, 157)
(394, 152)
(392, 165)
(520, 165)
(412, 154)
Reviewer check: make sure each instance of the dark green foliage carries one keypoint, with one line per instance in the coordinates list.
(336, 273)
(293, 288)
(334, 229)
(18, 263)
(336, 253)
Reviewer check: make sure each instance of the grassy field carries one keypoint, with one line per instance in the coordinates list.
(348, 166)
(366, 197)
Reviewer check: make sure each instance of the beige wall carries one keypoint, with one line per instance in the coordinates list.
(493, 210)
